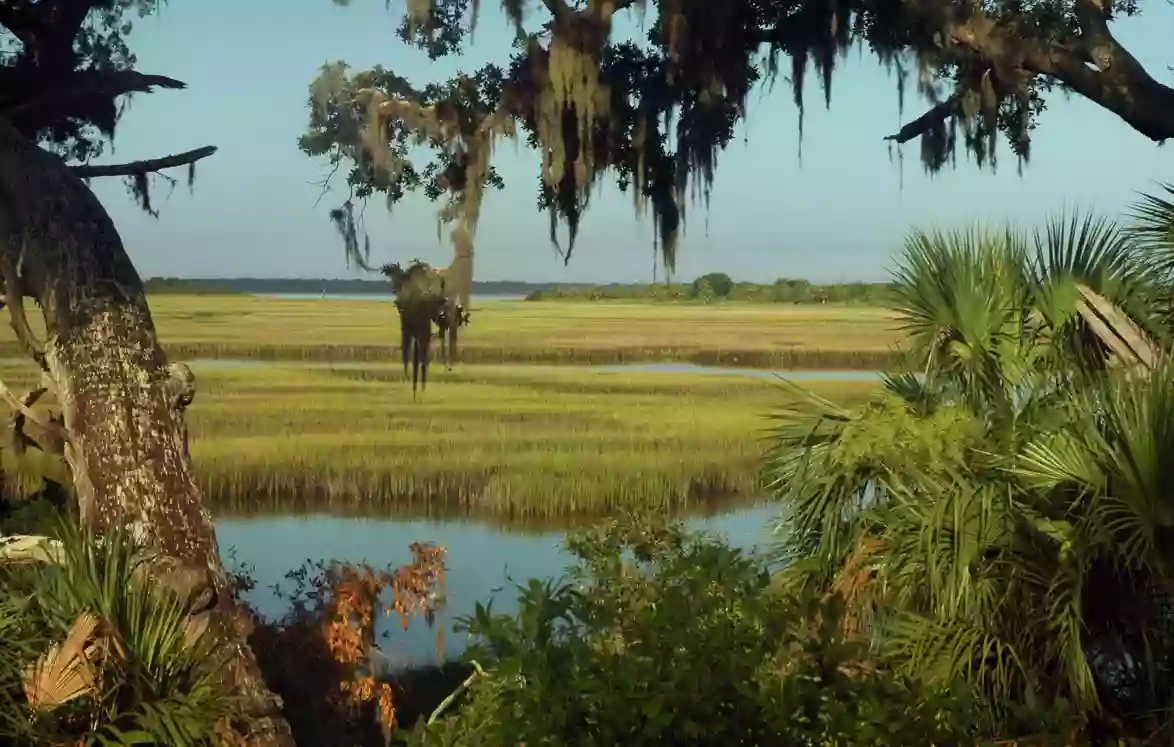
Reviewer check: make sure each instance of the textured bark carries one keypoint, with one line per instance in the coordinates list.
(122, 408)
(1092, 63)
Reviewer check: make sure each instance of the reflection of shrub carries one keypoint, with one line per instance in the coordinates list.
(667, 638)
(317, 657)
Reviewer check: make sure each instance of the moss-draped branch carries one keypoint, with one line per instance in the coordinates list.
(656, 113)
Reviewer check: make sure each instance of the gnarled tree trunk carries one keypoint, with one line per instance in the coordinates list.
(123, 432)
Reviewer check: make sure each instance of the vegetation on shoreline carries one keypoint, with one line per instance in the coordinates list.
(719, 288)
(520, 443)
(160, 286)
(707, 289)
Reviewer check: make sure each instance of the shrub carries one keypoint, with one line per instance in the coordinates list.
(660, 637)
(91, 655)
(718, 283)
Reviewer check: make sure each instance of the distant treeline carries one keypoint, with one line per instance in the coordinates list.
(718, 286)
(709, 288)
(316, 286)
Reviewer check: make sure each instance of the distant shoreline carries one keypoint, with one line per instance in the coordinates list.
(777, 291)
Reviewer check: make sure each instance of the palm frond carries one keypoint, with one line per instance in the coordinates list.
(1153, 229)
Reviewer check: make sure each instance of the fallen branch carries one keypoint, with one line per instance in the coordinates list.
(148, 166)
(52, 428)
(30, 548)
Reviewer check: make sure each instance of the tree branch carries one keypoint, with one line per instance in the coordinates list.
(151, 165)
(1115, 80)
(932, 118)
(48, 425)
(31, 98)
(14, 300)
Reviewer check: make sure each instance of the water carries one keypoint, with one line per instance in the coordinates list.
(759, 373)
(475, 297)
(480, 562)
(660, 368)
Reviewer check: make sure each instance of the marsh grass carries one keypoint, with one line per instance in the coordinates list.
(526, 443)
(330, 330)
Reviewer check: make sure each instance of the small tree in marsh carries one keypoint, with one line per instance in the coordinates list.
(63, 78)
(656, 112)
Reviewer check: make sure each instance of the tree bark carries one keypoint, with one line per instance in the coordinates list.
(124, 431)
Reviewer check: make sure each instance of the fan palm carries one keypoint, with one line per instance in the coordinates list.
(1001, 514)
(98, 652)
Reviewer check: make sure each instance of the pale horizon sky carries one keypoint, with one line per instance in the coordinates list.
(838, 213)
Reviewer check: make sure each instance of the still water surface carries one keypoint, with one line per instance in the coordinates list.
(478, 297)
(655, 368)
(480, 563)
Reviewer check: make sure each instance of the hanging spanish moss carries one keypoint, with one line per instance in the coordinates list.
(652, 113)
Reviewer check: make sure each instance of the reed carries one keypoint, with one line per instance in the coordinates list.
(511, 442)
(331, 330)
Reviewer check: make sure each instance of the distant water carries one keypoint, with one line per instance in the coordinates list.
(481, 298)
(758, 373)
(658, 368)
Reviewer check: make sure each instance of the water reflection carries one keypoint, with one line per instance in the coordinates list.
(483, 561)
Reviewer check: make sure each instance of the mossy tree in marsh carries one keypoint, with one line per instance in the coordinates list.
(655, 113)
(425, 296)
(120, 427)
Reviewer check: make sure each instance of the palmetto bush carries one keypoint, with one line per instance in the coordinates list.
(1006, 516)
(93, 653)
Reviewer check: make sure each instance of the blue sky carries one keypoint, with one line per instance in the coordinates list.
(838, 214)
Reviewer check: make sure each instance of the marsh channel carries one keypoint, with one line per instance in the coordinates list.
(484, 561)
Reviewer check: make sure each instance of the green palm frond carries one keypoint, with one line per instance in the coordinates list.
(963, 299)
(1153, 229)
(1082, 264)
(160, 679)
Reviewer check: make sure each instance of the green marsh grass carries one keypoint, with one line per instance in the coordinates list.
(326, 330)
(508, 442)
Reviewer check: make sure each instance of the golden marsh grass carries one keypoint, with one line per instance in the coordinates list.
(752, 335)
(520, 442)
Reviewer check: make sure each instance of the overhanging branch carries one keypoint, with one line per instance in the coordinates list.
(1092, 64)
(926, 122)
(31, 98)
(149, 166)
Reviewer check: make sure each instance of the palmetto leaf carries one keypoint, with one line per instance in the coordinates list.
(1133, 348)
(69, 669)
(1153, 228)
(1034, 557)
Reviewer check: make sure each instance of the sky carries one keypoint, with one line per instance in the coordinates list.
(836, 209)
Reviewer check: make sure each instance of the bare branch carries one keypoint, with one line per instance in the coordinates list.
(77, 89)
(21, 440)
(140, 168)
(14, 300)
(932, 118)
(51, 427)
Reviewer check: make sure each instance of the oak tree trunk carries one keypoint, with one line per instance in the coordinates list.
(124, 434)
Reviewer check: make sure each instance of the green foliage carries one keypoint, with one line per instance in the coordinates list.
(157, 684)
(997, 519)
(53, 49)
(781, 291)
(717, 283)
(662, 637)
